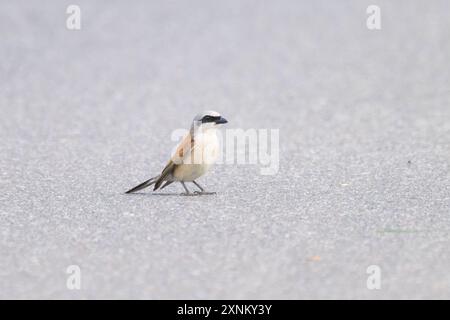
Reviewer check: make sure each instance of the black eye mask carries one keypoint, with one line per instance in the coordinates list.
(206, 119)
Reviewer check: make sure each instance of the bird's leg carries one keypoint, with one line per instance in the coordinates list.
(202, 191)
(199, 186)
(187, 193)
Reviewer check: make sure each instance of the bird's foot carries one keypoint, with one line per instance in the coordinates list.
(204, 193)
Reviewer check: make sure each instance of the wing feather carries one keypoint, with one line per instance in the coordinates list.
(183, 149)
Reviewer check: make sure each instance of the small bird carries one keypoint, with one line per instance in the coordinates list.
(195, 154)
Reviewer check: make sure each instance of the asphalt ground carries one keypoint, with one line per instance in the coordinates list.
(363, 118)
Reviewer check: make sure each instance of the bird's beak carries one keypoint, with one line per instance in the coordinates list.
(222, 120)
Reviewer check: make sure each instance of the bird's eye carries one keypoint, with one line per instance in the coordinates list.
(207, 119)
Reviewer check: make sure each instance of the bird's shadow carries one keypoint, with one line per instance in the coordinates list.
(166, 194)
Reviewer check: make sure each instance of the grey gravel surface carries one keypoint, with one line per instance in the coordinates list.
(364, 121)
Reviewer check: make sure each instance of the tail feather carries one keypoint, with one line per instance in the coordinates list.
(158, 182)
(143, 185)
(166, 184)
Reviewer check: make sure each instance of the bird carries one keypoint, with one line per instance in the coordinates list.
(193, 157)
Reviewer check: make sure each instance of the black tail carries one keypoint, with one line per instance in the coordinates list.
(143, 185)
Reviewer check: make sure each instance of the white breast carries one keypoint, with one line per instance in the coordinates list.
(202, 157)
(206, 147)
